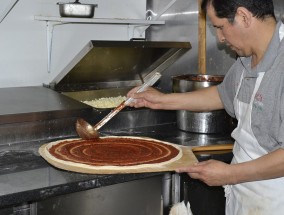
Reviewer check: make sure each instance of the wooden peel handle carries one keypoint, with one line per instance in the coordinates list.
(228, 146)
(201, 40)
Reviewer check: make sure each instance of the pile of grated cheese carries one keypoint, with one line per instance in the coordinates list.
(106, 102)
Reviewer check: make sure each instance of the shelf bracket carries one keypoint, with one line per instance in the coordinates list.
(49, 37)
(137, 31)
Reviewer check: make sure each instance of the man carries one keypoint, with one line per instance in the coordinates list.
(253, 92)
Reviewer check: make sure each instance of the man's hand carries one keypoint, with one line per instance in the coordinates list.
(211, 172)
(150, 98)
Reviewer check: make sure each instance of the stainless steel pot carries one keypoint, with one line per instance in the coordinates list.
(200, 122)
(191, 82)
(76, 9)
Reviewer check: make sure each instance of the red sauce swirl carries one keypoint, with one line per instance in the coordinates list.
(114, 151)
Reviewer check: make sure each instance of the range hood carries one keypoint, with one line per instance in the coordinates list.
(113, 64)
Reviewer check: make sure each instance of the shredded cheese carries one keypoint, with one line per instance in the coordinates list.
(106, 102)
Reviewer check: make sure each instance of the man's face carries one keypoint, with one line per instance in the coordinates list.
(229, 33)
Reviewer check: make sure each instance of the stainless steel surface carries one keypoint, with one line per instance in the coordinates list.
(76, 9)
(191, 82)
(27, 104)
(200, 122)
(37, 113)
(175, 188)
(86, 131)
(112, 64)
(130, 118)
(204, 122)
(138, 197)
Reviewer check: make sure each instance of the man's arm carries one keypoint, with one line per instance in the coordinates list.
(205, 99)
(266, 167)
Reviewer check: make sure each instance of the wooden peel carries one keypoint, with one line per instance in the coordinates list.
(201, 40)
(217, 147)
(187, 159)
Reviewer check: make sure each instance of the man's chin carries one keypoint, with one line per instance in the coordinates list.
(240, 53)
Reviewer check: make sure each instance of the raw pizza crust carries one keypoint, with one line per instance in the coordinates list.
(85, 168)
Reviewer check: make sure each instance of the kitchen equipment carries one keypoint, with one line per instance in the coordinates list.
(86, 131)
(76, 9)
(200, 122)
(215, 147)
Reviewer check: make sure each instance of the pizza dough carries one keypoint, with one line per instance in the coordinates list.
(113, 155)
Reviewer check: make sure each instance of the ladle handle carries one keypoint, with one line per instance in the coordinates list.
(150, 82)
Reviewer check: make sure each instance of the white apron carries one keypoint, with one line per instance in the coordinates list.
(259, 197)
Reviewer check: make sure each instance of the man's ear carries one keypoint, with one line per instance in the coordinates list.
(243, 16)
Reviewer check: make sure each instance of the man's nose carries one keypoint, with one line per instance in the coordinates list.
(220, 37)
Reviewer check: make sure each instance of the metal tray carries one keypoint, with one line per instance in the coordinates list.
(77, 9)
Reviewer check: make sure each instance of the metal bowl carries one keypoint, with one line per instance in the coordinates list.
(191, 82)
(77, 9)
(200, 122)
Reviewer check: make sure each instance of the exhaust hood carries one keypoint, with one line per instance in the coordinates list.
(112, 64)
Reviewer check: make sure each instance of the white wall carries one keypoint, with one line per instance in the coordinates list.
(23, 43)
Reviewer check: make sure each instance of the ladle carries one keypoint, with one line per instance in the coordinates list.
(87, 131)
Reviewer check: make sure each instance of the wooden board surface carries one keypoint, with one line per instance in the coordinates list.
(187, 158)
(201, 40)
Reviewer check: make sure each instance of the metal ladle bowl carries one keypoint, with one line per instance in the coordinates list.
(85, 130)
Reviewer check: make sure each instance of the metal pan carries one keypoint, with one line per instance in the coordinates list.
(76, 9)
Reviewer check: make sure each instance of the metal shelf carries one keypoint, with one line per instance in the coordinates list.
(99, 20)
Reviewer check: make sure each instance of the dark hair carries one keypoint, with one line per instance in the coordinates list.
(228, 8)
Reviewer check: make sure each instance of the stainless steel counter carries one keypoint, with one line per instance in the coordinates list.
(22, 104)
(37, 113)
